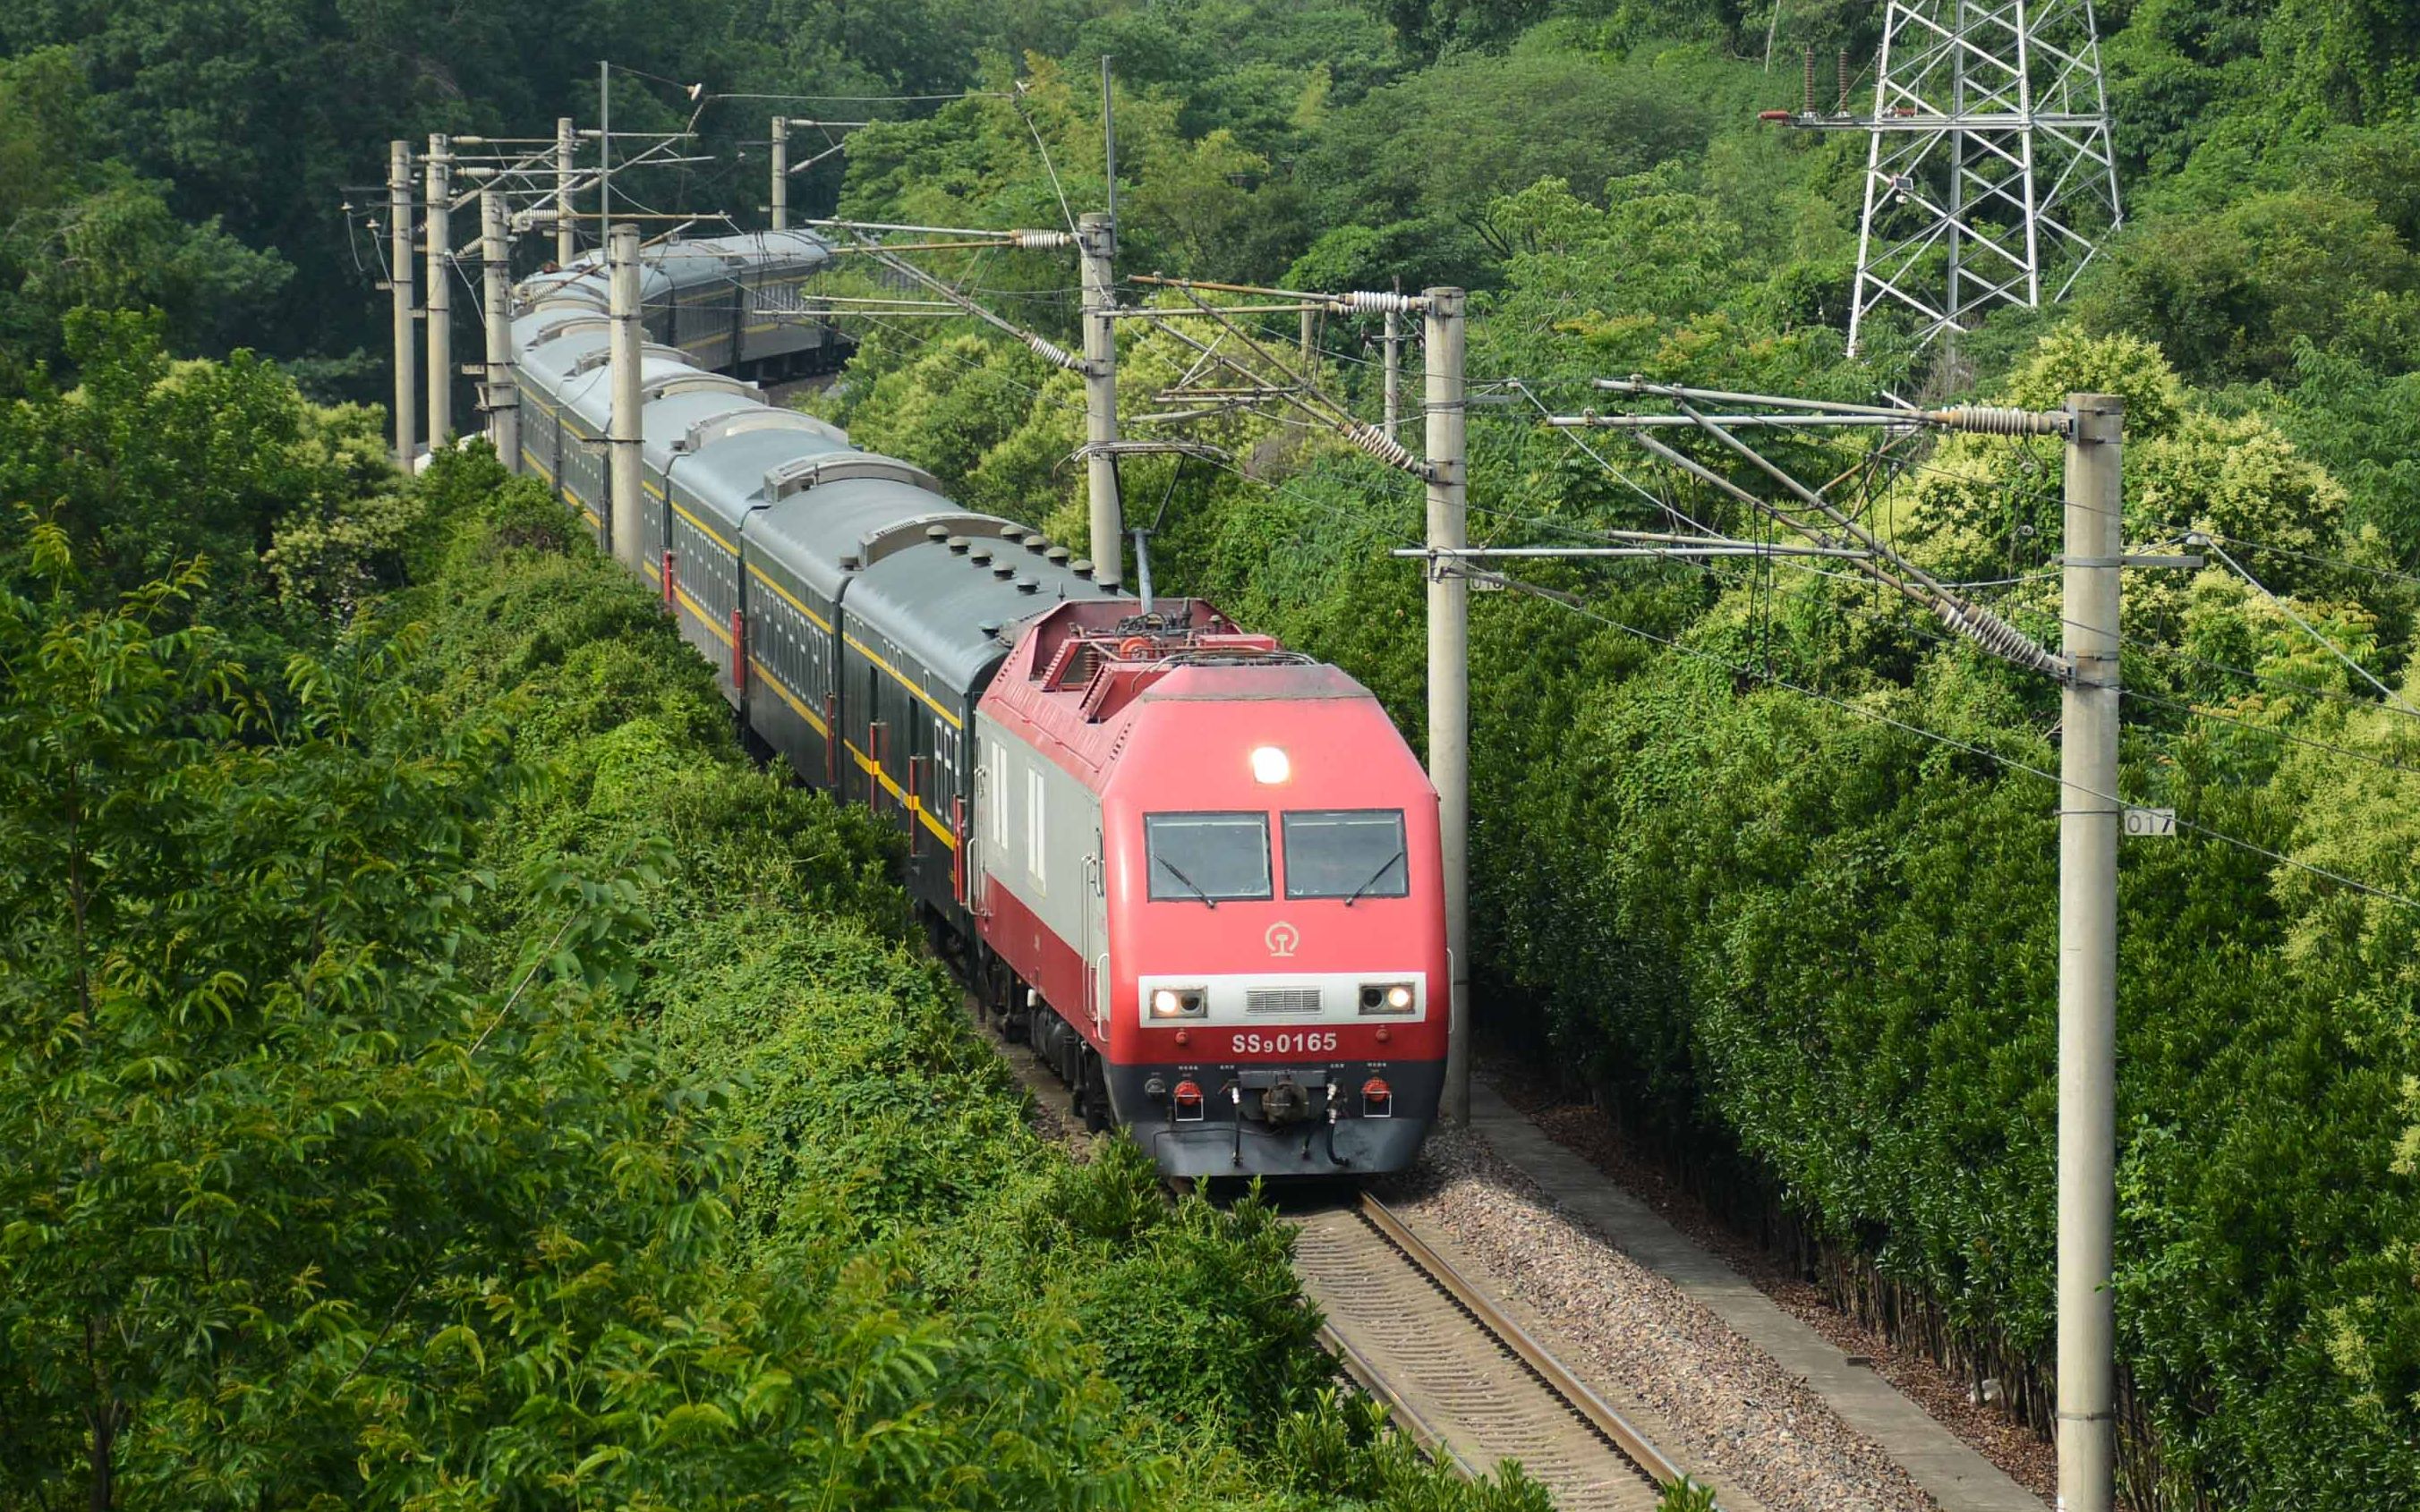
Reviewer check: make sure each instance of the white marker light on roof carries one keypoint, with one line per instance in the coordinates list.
(1269, 765)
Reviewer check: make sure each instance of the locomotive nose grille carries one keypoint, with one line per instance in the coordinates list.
(1281, 1000)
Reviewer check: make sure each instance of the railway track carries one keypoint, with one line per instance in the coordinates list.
(1466, 1381)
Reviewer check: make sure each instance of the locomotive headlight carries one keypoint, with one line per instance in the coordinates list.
(1384, 998)
(1178, 1002)
(1270, 766)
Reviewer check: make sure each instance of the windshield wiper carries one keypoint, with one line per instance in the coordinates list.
(1384, 867)
(1207, 901)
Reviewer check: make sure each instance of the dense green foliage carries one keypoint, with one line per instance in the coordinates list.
(1724, 864)
(259, 123)
(1723, 869)
(441, 1072)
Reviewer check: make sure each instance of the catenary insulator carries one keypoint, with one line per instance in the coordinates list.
(1375, 301)
(2001, 422)
(1041, 241)
(1052, 352)
(1384, 447)
(1998, 637)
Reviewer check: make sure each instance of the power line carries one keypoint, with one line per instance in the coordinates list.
(2308, 628)
(867, 100)
(2010, 762)
(2307, 556)
(1710, 569)
(1017, 105)
(2386, 762)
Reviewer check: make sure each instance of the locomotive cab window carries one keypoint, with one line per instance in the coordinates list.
(1208, 858)
(1346, 853)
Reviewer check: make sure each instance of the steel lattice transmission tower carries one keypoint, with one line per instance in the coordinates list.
(1988, 175)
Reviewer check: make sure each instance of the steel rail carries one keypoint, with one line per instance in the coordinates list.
(1616, 1428)
(1398, 1412)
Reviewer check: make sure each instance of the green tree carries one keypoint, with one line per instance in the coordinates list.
(148, 463)
(78, 230)
(321, 1192)
(2228, 294)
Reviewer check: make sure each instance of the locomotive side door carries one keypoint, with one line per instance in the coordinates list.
(1093, 907)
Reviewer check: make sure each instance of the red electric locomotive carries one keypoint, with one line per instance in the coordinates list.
(1213, 863)
(1198, 871)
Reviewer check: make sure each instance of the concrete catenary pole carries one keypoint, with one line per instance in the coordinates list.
(622, 433)
(1095, 239)
(1310, 343)
(441, 294)
(2089, 824)
(780, 205)
(504, 396)
(407, 340)
(1450, 669)
(567, 162)
(1393, 414)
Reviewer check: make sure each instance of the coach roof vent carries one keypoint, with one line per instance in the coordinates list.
(1003, 569)
(744, 420)
(937, 533)
(1029, 585)
(1037, 543)
(1057, 554)
(1081, 566)
(835, 467)
(960, 544)
(980, 555)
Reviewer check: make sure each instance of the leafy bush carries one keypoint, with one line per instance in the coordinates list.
(877, 1149)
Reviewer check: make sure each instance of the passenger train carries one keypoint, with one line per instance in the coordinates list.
(1197, 871)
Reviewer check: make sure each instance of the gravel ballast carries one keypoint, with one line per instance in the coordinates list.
(1746, 1421)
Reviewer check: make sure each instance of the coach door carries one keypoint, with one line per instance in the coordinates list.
(915, 778)
(870, 738)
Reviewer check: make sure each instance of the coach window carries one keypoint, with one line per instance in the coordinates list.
(1208, 858)
(1350, 853)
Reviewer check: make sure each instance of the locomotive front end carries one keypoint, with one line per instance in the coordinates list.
(1276, 916)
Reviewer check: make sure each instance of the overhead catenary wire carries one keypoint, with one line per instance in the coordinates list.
(1403, 540)
(2272, 731)
(1685, 559)
(1042, 347)
(1662, 503)
(2338, 562)
(1886, 566)
(1281, 489)
(2152, 647)
(2308, 628)
(1953, 742)
(869, 100)
(1305, 394)
(2013, 488)
(1016, 104)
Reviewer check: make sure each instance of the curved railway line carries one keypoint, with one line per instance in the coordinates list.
(1463, 1379)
